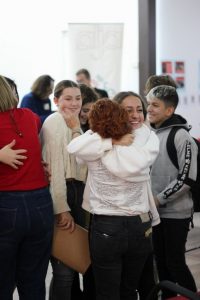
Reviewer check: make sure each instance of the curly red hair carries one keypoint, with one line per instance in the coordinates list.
(109, 119)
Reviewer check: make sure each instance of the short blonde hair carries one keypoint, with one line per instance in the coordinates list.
(7, 98)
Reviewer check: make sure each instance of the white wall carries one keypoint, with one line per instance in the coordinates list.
(178, 39)
(31, 37)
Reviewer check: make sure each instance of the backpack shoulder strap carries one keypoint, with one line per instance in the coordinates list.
(171, 149)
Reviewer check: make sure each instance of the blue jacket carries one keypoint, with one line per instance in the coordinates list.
(42, 107)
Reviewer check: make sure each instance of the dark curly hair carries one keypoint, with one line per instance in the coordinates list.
(109, 119)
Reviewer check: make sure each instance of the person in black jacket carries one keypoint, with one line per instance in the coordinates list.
(83, 76)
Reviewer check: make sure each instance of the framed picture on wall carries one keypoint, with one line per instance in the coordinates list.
(179, 67)
(166, 67)
(176, 69)
(180, 81)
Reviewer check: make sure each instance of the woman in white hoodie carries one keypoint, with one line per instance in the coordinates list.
(120, 198)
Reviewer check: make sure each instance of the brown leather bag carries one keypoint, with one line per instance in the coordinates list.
(72, 248)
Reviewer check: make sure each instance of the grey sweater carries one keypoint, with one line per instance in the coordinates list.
(168, 183)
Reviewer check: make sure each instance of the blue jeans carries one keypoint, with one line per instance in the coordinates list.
(119, 247)
(26, 229)
(169, 239)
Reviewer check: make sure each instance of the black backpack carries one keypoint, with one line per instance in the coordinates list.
(195, 185)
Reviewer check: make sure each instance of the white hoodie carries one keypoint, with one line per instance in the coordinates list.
(118, 176)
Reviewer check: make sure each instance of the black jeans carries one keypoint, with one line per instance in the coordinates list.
(148, 278)
(63, 276)
(169, 239)
(119, 247)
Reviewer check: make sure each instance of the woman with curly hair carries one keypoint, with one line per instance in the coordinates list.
(119, 197)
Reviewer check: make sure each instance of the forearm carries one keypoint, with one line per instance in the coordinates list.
(173, 191)
(89, 146)
(58, 191)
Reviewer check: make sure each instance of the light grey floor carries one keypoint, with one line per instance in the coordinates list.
(192, 255)
(193, 250)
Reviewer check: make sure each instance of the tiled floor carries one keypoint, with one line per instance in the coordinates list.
(192, 255)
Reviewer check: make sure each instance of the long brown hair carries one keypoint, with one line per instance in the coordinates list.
(42, 85)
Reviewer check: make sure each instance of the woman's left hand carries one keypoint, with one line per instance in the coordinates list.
(71, 119)
(65, 221)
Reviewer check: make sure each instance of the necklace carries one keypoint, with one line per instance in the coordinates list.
(14, 124)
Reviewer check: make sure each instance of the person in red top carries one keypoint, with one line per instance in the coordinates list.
(26, 210)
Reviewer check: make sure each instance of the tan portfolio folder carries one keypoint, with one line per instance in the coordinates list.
(72, 248)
